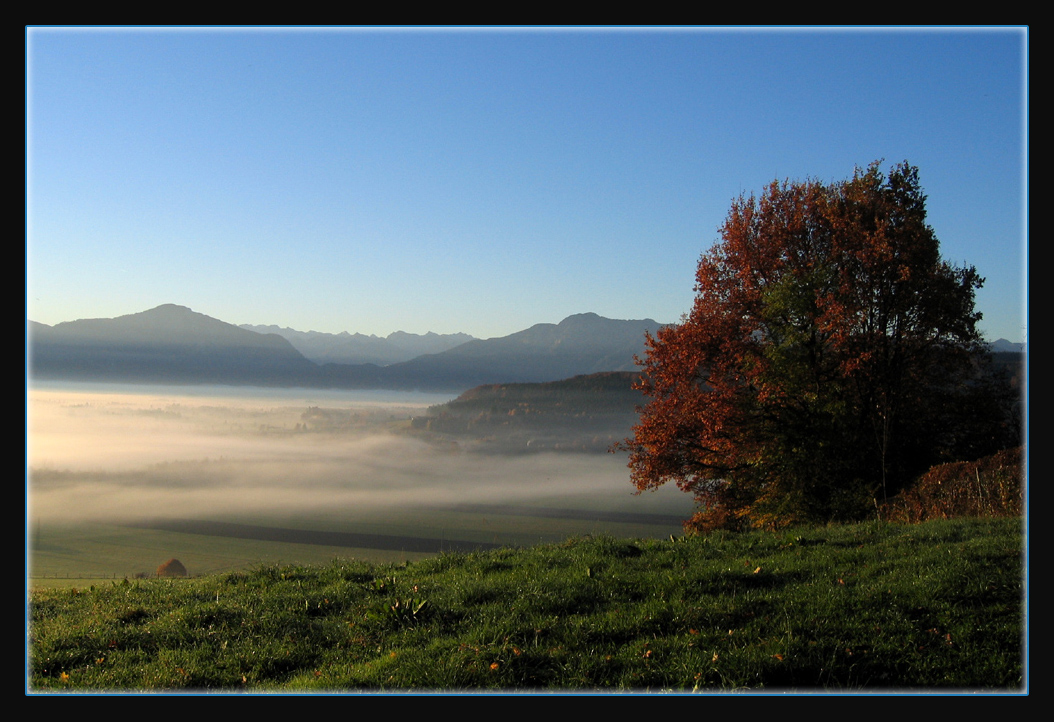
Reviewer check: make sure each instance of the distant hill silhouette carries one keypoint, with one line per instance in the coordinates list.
(580, 414)
(167, 344)
(581, 344)
(1003, 346)
(172, 344)
(357, 348)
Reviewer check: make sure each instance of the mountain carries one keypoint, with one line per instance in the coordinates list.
(357, 348)
(172, 344)
(581, 344)
(167, 344)
(1004, 346)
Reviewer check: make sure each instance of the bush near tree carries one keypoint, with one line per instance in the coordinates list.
(830, 357)
(989, 487)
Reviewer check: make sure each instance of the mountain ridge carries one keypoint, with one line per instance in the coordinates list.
(169, 343)
(172, 343)
(358, 348)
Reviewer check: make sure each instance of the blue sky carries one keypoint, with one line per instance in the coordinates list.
(486, 180)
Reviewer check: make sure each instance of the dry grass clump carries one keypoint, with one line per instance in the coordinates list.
(989, 487)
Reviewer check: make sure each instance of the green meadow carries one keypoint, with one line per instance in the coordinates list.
(937, 606)
(65, 554)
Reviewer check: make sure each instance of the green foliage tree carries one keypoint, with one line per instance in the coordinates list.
(823, 363)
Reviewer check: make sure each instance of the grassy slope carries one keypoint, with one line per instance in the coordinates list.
(869, 606)
(62, 553)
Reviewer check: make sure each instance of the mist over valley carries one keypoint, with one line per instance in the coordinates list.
(166, 462)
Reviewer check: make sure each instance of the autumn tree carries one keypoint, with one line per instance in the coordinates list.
(823, 363)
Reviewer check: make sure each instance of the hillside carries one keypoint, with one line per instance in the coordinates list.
(585, 413)
(859, 608)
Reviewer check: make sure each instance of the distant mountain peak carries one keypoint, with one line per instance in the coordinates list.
(169, 343)
(590, 318)
(166, 311)
(1004, 346)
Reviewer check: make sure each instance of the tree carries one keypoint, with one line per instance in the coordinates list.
(823, 362)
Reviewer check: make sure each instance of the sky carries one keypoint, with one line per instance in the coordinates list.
(482, 181)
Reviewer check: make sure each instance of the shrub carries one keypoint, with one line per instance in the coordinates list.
(989, 487)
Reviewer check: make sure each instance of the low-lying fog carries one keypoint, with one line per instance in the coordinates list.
(121, 453)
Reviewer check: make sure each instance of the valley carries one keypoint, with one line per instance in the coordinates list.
(122, 479)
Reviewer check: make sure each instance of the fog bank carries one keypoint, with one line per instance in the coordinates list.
(122, 455)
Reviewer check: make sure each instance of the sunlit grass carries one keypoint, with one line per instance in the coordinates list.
(869, 606)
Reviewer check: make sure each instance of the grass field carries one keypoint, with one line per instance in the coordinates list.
(65, 554)
(870, 607)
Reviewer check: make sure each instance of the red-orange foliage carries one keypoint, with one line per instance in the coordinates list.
(818, 368)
